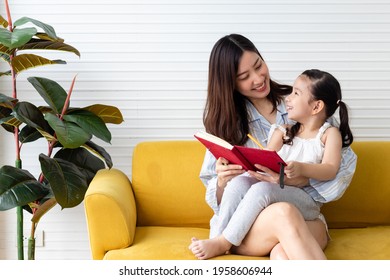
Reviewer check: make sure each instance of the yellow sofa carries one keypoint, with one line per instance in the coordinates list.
(154, 215)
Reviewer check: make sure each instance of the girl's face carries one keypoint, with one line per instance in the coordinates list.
(300, 103)
(252, 78)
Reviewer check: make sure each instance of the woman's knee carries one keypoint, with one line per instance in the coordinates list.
(284, 210)
(285, 215)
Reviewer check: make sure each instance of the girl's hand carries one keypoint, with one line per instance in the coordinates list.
(293, 169)
(226, 171)
(270, 176)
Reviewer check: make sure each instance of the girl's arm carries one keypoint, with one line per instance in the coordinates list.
(328, 168)
(275, 142)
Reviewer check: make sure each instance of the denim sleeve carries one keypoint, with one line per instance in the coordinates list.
(209, 178)
(334, 189)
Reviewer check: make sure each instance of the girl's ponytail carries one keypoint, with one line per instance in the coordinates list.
(345, 130)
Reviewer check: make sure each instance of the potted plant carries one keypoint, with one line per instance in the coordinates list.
(72, 158)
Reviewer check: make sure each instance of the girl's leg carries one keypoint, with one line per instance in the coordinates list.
(283, 223)
(232, 196)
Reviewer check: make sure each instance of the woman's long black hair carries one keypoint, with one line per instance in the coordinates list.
(225, 113)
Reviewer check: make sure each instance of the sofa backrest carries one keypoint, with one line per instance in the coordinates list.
(168, 191)
(366, 202)
(166, 184)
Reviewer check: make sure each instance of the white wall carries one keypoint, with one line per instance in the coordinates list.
(150, 58)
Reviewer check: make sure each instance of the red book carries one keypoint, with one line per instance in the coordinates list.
(244, 156)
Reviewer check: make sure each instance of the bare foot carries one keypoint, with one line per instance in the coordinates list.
(208, 248)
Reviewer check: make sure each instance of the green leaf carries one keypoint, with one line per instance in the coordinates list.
(6, 101)
(18, 187)
(46, 27)
(53, 94)
(67, 182)
(109, 114)
(68, 134)
(98, 151)
(30, 114)
(16, 38)
(86, 162)
(90, 123)
(24, 62)
(44, 36)
(38, 44)
(29, 134)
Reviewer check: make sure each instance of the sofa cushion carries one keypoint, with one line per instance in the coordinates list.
(171, 243)
(166, 184)
(164, 243)
(366, 200)
(371, 243)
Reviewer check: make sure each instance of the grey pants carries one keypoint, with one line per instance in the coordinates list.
(245, 197)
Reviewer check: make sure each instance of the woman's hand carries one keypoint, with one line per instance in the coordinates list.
(226, 171)
(273, 177)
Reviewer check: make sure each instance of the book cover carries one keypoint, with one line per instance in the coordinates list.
(245, 156)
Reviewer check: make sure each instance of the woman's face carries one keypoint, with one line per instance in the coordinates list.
(252, 78)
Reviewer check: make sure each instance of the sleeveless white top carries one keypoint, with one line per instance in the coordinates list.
(305, 150)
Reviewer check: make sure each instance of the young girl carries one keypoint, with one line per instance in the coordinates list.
(311, 147)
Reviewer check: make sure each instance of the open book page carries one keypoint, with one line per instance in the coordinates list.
(220, 148)
(214, 139)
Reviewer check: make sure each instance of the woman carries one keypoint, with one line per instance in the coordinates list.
(242, 99)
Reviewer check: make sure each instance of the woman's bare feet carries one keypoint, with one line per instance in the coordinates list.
(208, 248)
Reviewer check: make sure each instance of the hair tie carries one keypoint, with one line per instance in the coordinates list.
(338, 102)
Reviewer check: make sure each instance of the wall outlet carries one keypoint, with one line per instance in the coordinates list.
(39, 237)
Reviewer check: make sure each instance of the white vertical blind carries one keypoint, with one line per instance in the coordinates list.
(150, 58)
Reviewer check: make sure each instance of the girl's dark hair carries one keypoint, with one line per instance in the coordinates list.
(225, 113)
(325, 87)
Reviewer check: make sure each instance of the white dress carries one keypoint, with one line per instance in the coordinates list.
(304, 150)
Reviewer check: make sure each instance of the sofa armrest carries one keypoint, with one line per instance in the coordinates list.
(110, 211)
